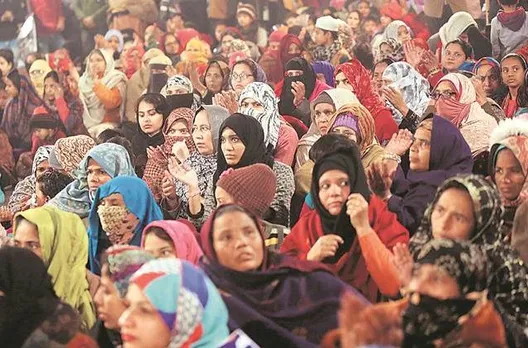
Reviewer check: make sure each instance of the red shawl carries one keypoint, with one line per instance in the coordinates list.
(359, 78)
(351, 268)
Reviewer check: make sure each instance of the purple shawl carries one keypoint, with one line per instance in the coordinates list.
(327, 69)
(287, 303)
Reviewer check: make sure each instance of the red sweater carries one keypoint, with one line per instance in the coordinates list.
(368, 265)
(47, 14)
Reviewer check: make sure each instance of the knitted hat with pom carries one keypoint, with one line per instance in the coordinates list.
(247, 9)
(253, 187)
(42, 118)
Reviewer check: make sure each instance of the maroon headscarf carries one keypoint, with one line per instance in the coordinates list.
(285, 43)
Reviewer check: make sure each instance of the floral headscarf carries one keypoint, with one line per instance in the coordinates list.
(391, 31)
(70, 151)
(413, 86)
(177, 81)
(397, 50)
(269, 118)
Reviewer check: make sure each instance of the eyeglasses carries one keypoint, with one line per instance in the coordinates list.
(445, 94)
(240, 77)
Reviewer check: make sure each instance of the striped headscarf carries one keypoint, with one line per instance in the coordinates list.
(269, 118)
(188, 302)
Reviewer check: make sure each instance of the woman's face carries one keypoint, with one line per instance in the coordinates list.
(108, 302)
(97, 176)
(5, 66)
(453, 215)
(97, 65)
(158, 247)
(334, 189)
(223, 197)
(232, 147)
(434, 281)
(226, 43)
(293, 48)
(250, 103)
(244, 20)
(141, 324)
(178, 129)
(420, 152)
(219, 30)
(342, 82)
(10, 88)
(274, 46)
(347, 132)
(176, 90)
(377, 77)
(453, 57)
(201, 133)
(41, 168)
(385, 49)
(214, 79)
(172, 46)
(113, 43)
(323, 114)
(241, 76)
(490, 79)
(403, 34)
(50, 88)
(364, 9)
(353, 20)
(27, 237)
(150, 121)
(237, 242)
(512, 72)
(509, 175)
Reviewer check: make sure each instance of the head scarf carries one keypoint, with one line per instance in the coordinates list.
(18, 111)
(187, 301)
(391, 31)
(268, 296)
(217, 115)
(94, 110)
(187, 100)
(358, 115)
(64, 244)
(457, 24)
(224, 72)
(513, 135)
(256, 70)
(197, 57)
(349, 162)
(37, 72)
(28, 295)
(427, 318)
(486, 61)
(308, 78)
(359, 79)
(75, 198)
(132, 59)
(397, 50)
(182, 236)
(250, 132)
(179, 114)
(177, 81)
(138, 200)
(285, 44)
(269, 118)
(123, 261)
(327, 69)
(70, 151)
(413, 86)
(114, 32)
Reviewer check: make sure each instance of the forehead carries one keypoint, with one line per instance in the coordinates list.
(333, 174)
(242, 67)
(484, 69)
(93, 164)
(114, 198)
(324, 106)
(511, 62)
(445, 86)
(455, 46)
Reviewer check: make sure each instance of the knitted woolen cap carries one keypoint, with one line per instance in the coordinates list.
(247, 9)
(253, 187)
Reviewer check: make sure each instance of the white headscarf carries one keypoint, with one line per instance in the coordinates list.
(455, 26)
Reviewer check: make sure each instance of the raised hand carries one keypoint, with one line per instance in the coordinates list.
(180, 150)
(404, 263)
(183, 173)
(298, 90)
(326, 246)
(395, 97)
(379, 179)
(357, 210)
(400, 142)
(413, 55)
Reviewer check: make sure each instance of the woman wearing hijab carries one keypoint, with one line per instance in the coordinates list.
(474, 208)
(402, 79)
(455, 100)
(488, 70)
(169, 287)
(355, 122)
(354, 77)
(399, 31)
(37, 72)
(60, 240)
(215, 80)
(290, 47)
(508, 165)
(350, 230)
(241, 144)
(205, 134)
(23, 101)
(68, 153)
(258, 100)
(299, 87)
(102, 91)
(119, 263)
(172, 239)
(23, 196)
(196, 53)
(151, 114)
(115, 41)
(100, 165)
(178, 91)
(322, 110)
(177, 132)
(121, 210)
(262, 289)
(437, 153)
(31, 311)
